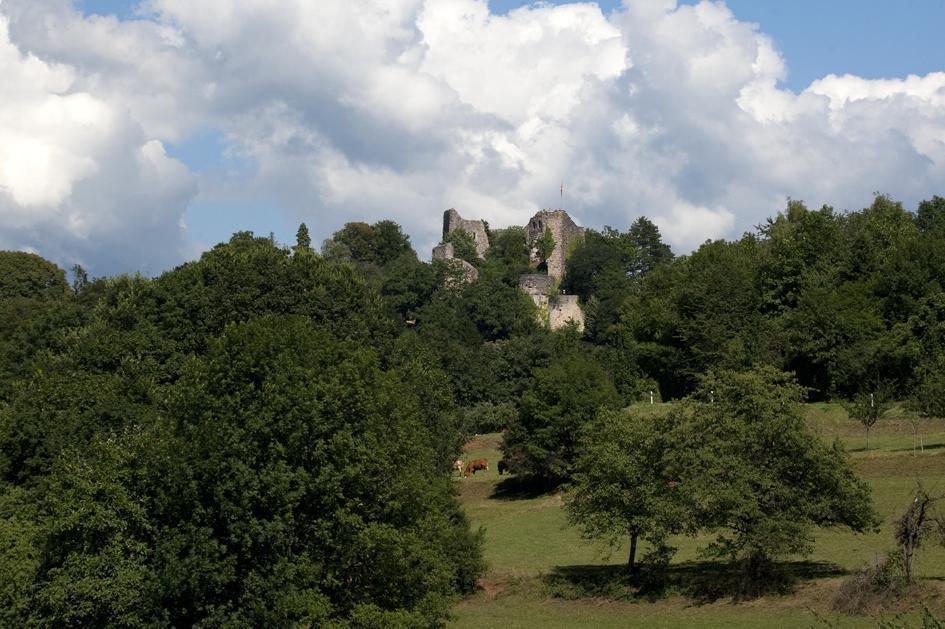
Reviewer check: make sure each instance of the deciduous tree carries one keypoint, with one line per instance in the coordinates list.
(621, 486)
(753, 474)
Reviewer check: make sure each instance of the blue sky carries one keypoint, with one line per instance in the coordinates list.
(134, 144)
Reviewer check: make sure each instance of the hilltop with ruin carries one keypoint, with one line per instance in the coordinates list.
(550, 236)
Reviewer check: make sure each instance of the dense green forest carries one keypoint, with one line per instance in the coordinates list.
(263, 436)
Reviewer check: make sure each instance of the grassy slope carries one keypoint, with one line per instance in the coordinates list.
(529, 538)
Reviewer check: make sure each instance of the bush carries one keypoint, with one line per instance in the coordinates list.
(873, 585)
(560, 400)
(487, 417)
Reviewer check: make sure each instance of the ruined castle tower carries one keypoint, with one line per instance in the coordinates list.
(475, 228)
(555, 309)
(564, 231)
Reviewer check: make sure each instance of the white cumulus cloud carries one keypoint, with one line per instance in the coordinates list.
(79, 181)
(367, 109)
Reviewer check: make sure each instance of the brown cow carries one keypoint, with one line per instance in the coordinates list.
(474, 466)
(458, 465)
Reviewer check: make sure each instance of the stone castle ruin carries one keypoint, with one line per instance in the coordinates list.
(475, 228)
(565, 233)
(555, 308)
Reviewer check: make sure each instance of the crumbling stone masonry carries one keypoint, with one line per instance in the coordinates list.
(445, 252)
(554, 309)
(475, 228)
(563, 309)
(564, 231)
(538, 287)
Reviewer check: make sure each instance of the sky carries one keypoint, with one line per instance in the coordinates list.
(134, 135)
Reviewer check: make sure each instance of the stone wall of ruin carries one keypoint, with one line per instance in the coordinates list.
(474, 227)
(565, 232)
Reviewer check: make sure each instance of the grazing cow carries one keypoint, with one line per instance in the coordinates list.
(458, 465)
(475, 466)
(502, 466)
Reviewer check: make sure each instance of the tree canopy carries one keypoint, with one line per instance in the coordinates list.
(263, 436)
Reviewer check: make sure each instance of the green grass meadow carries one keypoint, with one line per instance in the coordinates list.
(542, 574)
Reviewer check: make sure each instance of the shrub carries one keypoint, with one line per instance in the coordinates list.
(487, 417)
(871, 586)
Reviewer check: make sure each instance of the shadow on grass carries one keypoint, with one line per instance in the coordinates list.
(704, 582)
(934, 446)
(521, 488)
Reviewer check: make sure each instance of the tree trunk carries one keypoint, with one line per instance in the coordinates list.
(631, 561)
(908, 554)
(867, 438)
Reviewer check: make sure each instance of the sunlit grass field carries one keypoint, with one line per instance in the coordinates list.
(528, 543)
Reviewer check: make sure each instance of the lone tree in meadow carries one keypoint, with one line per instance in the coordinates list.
(750, 472)
(918, 524)
(928, 396)
(621, 488)
(867, 408)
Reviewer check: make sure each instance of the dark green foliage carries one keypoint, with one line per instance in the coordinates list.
(931, 215)
(600, 272)
(303, 242)
(507, 256)
(546, 245)
(19, 554)
(104, 375)
(599, 261)
(225, 446)
(261, 437)
(35, 305)
(415, 366)
(651, 251)
(561, 399)
(486, 417)
(289, 486)
(508, 246)
(755, 475)
(249, 277)
(719, 308)
(31, 327)
(487, 309)
(605, 268)
(464, 247)
(928, 395)
(28, 275)
(498, 310)
(622, 487)
(377, 244)
(797, 249)
(841, 300)
(868, 408)
(407, 286)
